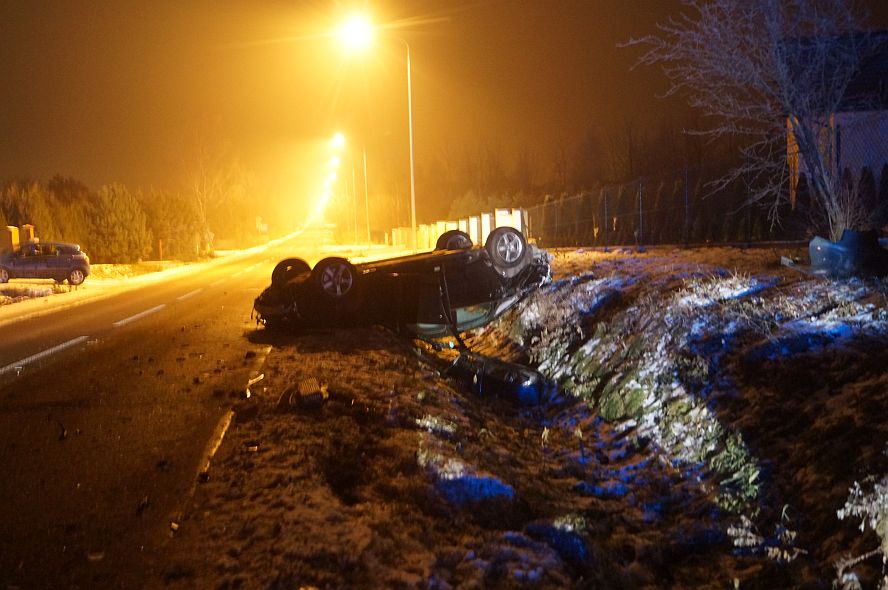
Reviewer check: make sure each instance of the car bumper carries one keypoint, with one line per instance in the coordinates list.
(273, 307)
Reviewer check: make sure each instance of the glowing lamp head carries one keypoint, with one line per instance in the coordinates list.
(356, 33)
(338, 140)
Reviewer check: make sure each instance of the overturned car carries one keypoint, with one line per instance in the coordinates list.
(454, 288)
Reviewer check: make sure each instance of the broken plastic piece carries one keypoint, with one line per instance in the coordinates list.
(252, 382)
(856, 253)
(489, 376)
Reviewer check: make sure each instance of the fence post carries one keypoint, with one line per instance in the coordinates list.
(749, 225)
(639, 240)
(686, 216)
(606, 220)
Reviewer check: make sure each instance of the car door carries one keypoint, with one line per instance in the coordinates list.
(30, 263)
(57, 261)
(13, 262)
(45, 253)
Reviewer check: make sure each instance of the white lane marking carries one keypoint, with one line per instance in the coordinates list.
(250, 268)
(187, 295)
(217, 283)
(40, 355)
(139, 315)
(238, 273)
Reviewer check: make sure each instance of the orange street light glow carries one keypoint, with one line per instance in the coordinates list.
(356, 33)
(338, 140)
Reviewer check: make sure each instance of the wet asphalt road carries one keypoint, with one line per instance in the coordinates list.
(105, 412)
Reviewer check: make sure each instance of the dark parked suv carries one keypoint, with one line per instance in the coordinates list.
(45, 260)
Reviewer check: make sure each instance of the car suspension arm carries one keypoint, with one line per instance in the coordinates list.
(448, 310)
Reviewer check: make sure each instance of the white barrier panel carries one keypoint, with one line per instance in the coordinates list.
(474, 229)
(502, 218)
(425, 241)
(477, 226)
(518, 220)
(486, 226)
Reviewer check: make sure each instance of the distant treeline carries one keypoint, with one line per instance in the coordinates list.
(116, 224)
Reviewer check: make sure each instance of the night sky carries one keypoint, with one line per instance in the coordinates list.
(115, 90)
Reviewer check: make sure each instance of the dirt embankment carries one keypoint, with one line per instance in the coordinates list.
(715, 409)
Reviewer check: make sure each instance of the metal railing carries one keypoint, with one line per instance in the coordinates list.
(679, 208)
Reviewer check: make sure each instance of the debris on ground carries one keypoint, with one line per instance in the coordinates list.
(715, 413)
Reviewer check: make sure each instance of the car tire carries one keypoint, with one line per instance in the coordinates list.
(287, 269)
(336, 278)
(454, 240)
(76, 276)
(4, 276)
(507, 249)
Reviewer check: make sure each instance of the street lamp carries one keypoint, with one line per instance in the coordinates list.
(410, 134)
(338, 141)
(356, 34)
(367, 199)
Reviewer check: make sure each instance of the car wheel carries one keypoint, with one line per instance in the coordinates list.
(76, 276)
(453, 240)
(4, 275)
(506, 248)
(336, 278)
(287, 269)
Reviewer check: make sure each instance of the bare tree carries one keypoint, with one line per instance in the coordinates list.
(773, 72)
(220, 187)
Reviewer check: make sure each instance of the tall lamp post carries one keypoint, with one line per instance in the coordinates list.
(338, 142)
(356, 34)
(366, 199)
(410, 134)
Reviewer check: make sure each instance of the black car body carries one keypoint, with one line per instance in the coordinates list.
(454, 288)
(45, 260)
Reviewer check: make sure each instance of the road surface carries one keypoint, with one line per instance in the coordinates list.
(107, 410)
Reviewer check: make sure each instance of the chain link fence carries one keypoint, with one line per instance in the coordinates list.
(678, 208)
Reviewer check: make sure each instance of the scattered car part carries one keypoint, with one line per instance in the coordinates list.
(253, 381)
(307, 393)
(312, 393)
(492, 377)
(857, 252)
